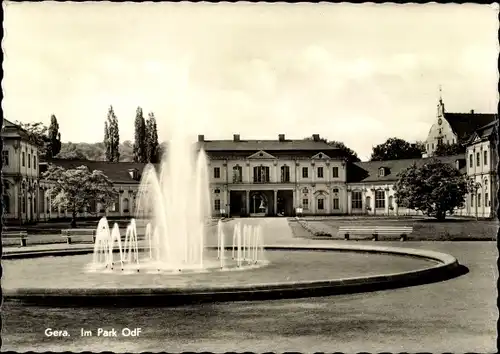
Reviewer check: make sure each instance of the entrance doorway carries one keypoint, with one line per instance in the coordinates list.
(237, 203)
(285, 203)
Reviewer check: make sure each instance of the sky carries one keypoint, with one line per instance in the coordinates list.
(352, 73)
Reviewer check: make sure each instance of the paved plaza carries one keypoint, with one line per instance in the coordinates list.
(457, 315)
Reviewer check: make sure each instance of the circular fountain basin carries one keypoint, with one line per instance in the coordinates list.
(293, 271)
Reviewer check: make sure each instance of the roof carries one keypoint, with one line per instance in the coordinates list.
(118, 172)
(369, 171)
(265, 145)
(485, 132)
(464, 124)
(13, 130)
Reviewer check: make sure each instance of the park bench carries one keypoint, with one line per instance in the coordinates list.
(71, 233)
(21, 235)
(375, 231)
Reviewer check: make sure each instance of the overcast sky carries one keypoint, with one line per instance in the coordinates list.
(355, 73)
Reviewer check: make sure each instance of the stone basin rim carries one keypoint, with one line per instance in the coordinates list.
(444, 268)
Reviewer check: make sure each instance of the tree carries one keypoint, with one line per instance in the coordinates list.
(112, 137)
(71, 151)
(75, 189)
(396, 149)
(53, 138)
(449, 149)
(140, 145)
(434, 188)
(37, 133)
(107, 143)
(348, 154)
(152, 139)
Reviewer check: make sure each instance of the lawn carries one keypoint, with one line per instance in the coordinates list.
(423, 229)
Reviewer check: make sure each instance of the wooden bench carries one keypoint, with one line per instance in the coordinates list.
(70, 233)
(375, 231)
(21, 235)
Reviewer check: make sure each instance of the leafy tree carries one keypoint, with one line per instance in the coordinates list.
(140, 144)
(395, 149)
(71, 151)
(54, 138)
(434, 188)
(152, 139)
(449, 149)
(350, 155)
(37, 133)
(75, 189)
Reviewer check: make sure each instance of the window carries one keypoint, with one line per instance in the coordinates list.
(432, 146)
(486, 200)
(471, 163)
(368, 202)
(217, 204)
(305, 203)
(381, 172)
(34, 205)
(34, 162)
(472, 200)
(217, 191)
(335, 172)
(5, 157)
(216, 172)
(321, 204)
(478, 159)
(485, 158)
(305, 172)
(335, 190)
(305, 191)
(29, 161)
(261, 174)
(390, 202)
(285, 173)
(23, 203)
(379, 199)
(440, 140)
(93, 206)
(320, 172)
(479, 200)
(237, 174)
(126, 205)
(356, 202)
(336, 203)
(6, 204)
(22, 159)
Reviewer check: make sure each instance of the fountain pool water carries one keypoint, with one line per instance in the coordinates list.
(134, 255)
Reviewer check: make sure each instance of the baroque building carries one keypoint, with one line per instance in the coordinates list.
(451, 128)
(279, 177)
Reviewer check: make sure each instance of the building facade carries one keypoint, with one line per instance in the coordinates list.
(256, 178)
(20, 174)
(451, 128)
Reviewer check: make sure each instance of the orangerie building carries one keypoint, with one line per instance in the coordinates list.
(254, 178)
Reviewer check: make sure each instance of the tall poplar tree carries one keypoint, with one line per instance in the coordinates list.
(152, 139)
(140, 144)
(54, 138)
(107, 143)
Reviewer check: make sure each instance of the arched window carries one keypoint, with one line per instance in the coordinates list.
(390, 202)
(237, 174)
(368, 202)
(356, 202)
(285, 173)
(126, 205)
(6, 204)
(379, 199)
